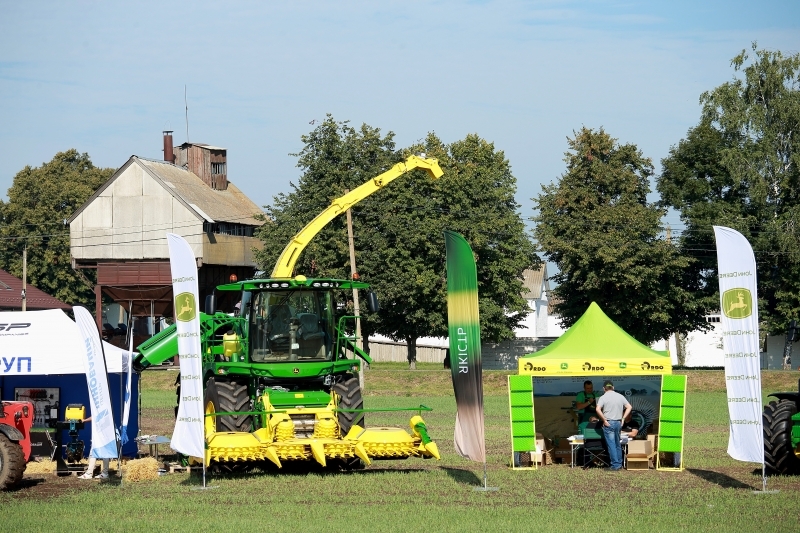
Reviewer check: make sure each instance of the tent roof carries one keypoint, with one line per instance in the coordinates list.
(47, 343)
(595, 345)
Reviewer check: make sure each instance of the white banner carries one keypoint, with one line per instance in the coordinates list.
(127, 360)
(739, 306)
(104, 439)
(188, 437)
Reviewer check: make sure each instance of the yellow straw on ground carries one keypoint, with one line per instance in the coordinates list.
(141, 469)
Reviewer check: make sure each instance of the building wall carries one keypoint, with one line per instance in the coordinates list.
(130, 219)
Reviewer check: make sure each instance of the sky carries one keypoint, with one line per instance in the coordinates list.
(106, 78)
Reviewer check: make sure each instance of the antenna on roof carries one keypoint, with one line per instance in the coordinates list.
(186, 103)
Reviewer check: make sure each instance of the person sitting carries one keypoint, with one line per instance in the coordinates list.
(630, 426)
(586, 403)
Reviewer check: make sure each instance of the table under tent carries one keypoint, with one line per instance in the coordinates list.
(545, 423)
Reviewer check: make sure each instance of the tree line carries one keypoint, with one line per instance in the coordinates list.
(737, 167)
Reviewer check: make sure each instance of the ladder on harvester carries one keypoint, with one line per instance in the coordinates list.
(671, 421)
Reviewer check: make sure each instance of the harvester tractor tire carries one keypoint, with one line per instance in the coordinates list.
(778, 452)
(12, 463)
(349, 392)
(233, 396)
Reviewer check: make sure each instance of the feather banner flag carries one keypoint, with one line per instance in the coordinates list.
(739, 305)
(188, 437)
(465, 347)
(104, 437)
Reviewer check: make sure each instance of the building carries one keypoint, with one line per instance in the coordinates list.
(11, 296)
(121, 230)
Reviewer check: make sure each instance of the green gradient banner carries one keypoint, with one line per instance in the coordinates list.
(465, 347)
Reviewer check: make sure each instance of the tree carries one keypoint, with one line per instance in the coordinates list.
(596, 225)
(739, 168)
(398, 231)
(40, 201)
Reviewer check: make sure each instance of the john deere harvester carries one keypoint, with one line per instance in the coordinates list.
(281, 377)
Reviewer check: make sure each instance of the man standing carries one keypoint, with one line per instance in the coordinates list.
(612, 408)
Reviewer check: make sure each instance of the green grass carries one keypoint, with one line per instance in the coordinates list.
(714, 493)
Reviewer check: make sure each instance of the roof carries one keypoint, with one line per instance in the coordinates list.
(533, 281)
(595, 345)
(230, 205)
(11, 295)
(206, 146)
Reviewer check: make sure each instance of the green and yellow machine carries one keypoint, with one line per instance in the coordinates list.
(281, 377)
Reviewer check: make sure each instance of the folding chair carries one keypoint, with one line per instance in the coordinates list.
(594, 453)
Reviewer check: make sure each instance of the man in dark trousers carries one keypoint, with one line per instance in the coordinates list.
(613, 408)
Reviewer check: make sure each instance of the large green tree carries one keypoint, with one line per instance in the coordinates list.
(597, 226)
(40, 201)
(739, 168)
(398, 231)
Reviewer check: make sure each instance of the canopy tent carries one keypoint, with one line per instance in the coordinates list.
(42, 351)
(594, 346)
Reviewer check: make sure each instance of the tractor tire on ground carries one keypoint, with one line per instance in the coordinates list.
(221, 404)
(778, 452)
(12, 463)
(349, 392)
(233, 396)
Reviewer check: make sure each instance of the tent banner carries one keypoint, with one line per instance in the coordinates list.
(465, 347)
(739, 305)
(127, 363)
(104, 438)
(594, 366)
(188, 437)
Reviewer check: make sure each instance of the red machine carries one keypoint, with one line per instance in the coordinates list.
(16, 419)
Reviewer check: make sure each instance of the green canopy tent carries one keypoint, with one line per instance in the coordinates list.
(595, 346)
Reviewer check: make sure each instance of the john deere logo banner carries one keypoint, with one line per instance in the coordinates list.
(738, 302)
(545, 366)
(185, 307)
(188, 437)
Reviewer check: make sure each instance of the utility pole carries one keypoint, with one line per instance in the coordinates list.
(354, 276)
(24, 277)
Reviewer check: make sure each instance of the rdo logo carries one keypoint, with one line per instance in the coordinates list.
(648, 366)
(587, 367)
(530, 368)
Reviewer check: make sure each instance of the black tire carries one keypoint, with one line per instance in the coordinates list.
(350, 397)
(349, 392)
(233, 396)
(778, 452)
(12, 463)
(212, 395)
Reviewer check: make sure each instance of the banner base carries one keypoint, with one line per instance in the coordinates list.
(776, 491)
(486, 489)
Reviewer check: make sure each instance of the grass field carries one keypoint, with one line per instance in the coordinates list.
(714, 493)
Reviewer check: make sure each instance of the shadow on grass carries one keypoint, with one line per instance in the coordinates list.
(301, 469)
(717, 478)
(26, 483)
(465, 477)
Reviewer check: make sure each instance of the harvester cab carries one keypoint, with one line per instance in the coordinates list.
(280, 384)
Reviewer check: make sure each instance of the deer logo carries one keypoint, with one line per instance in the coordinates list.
(737, 303)
(185, 307)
